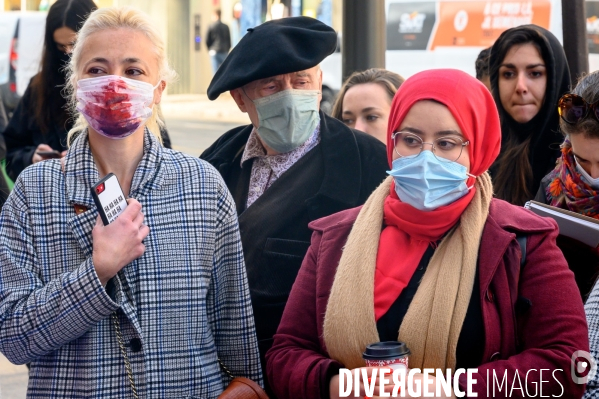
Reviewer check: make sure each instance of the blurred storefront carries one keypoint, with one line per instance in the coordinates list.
(258, 11)
(184, 24)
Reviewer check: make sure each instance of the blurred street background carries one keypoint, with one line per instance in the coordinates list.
(184, 24)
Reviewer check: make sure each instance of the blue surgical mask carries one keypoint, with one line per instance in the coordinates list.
(287, 118)
(427, 183)
(594, 183)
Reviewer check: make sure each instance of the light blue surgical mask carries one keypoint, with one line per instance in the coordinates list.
(594, 183)
(287, 118)
(427, 183)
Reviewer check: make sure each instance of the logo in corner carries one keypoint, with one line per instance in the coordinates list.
(582, 362)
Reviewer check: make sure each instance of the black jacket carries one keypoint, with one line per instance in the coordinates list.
(4, 191)
(218, 37)
(3, 124)
(23, 135)
(338, 174)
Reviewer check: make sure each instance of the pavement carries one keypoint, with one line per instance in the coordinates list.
(13, 380)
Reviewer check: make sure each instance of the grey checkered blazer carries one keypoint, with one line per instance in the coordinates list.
(591, 308)
(182, 305)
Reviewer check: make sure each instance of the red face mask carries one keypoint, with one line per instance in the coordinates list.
(115, 106)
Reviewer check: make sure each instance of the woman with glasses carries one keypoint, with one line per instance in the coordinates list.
(574, 183)
(432, 260)
(529, 73)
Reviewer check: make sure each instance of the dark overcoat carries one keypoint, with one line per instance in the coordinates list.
(339, 173)
(23, 134)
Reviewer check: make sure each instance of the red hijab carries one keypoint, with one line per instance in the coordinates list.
(409, 231)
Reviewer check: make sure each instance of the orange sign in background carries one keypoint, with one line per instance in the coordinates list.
(469, 23)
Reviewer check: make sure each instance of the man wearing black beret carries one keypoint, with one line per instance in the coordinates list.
(293, 164)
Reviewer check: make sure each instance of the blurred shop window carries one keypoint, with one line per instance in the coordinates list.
(236, 25)
(29, 5)
(255, 12)
(12, 5)
(296, 8)
(319, 9)
(278, 10)
(251, 15)
(41, 5)
(106, 3)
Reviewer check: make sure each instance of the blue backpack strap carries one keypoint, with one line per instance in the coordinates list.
(522, 242)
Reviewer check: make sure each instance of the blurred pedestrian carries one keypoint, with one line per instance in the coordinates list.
(482, 67)
(293, 164)
(574, 183)
(218, 40)
(433, 260)
(38, 128)
(364, 101)
(151, 304)
(529, 73)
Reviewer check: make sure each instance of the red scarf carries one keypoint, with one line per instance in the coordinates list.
(409, 231)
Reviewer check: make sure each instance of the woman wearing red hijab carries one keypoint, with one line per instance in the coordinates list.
(432, 260)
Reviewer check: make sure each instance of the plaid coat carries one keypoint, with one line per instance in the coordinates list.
(182, 305)
(591, 308)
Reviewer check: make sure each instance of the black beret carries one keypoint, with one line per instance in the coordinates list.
(274, 48)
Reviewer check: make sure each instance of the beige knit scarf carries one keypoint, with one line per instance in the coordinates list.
(432, 324)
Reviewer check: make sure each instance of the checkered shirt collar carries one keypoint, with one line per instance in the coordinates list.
(81, 172)
(255, 149)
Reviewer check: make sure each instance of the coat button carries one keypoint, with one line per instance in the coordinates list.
(135, 344)
(494, 356)
(489, 295)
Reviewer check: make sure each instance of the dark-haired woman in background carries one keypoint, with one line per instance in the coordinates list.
(40, 122)
(364, 101)
(574, 183)
(529, 73)
(38, 128)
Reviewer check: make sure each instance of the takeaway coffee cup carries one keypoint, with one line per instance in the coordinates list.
(392, 354)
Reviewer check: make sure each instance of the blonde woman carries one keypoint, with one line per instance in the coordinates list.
(147, 305)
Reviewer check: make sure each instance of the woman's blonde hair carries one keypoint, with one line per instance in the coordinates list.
(116, 18)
